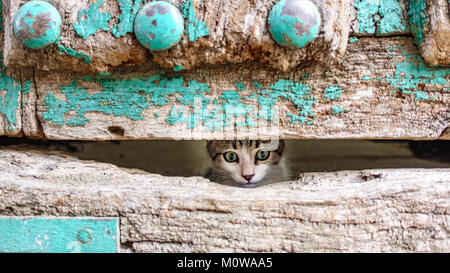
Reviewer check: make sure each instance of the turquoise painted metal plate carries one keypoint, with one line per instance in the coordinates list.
(37, 24)
(294, 23)
(59, 235)
(159, 25)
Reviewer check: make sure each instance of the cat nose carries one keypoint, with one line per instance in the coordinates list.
(248, 177)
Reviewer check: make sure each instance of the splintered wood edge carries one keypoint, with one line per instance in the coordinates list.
(381, 90)
(355, 211)
(215, 32)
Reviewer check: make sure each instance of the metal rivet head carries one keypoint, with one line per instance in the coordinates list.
(37, 24)
(294, 23)
(159, 25)
(84, 236)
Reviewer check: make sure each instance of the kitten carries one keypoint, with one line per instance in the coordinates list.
(247, 163)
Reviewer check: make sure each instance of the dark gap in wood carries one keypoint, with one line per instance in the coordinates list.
(189, 158)
(116, 130)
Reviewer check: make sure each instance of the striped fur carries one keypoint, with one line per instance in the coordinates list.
(247, 171)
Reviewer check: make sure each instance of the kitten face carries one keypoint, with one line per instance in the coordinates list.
(246, 163)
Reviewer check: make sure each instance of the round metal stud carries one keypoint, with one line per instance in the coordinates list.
(294, 23)
(159, 25)
(84, 236)
(37, 24)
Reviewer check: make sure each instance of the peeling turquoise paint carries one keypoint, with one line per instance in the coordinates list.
(194, 27)
(130, 97)
(353, 39)
(366, 78)
(257, 85)
(217, 117)
(1, 16)
(391, 14)
(336, 110)
(366, 10)
(105, 73)
(297, 93)
(412, 72)
(59, 235)
(94, 21)
(178, 68)
(380, 16)
(26, 87)
(128, 12)
(296, 118)
(72, 52)
(126, 98)
(9, 103)
(116, 101)
(417, 19)
(333, 92)
(240, 86)
(233, 106)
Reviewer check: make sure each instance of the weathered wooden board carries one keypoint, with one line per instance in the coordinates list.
(430, 24)
(350, 211)
(244, 37)
(98, 36)
(380, 89)
(427, 20)
(18, 99)
(387, 92)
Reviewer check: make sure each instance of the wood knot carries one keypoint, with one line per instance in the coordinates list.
(366, 176)
(116, 130)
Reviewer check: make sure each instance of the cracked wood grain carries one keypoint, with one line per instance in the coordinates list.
(405, 210)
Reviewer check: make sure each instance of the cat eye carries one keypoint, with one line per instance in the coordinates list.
(262, 155)
(230, 156)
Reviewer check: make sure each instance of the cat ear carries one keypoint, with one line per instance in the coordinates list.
(280, 147)
(210, 147)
